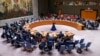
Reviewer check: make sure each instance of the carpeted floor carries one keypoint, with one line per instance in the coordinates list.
(89, 36)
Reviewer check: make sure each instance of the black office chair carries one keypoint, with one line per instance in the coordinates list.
(50, 45)
(81, 41)
(70, 48)
(87, 46)
(80, 47)
(42, 45)
(62, 48)
(76, 42)
(27, 46)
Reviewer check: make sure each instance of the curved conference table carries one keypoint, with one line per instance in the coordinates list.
(31, 25)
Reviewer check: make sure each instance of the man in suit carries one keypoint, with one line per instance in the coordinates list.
(60, 35)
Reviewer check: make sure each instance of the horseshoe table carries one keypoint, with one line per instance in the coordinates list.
(31, 25)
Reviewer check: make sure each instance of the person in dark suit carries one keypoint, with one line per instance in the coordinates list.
(38, 36)
(47, 35)
(42, 44)
(60, 35)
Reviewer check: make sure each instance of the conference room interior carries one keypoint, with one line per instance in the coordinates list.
(49, 28)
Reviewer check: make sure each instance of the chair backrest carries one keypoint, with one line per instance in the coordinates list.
(70, 47)
(50, 39)
(33, 42)
(82, 40)
(88, 44)
(22, 44)
(28, 45)
(67, 43)
(59, 43)
(50, 43)
(82, 45)
(76, 42)
(43, 43)
(62, 47)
